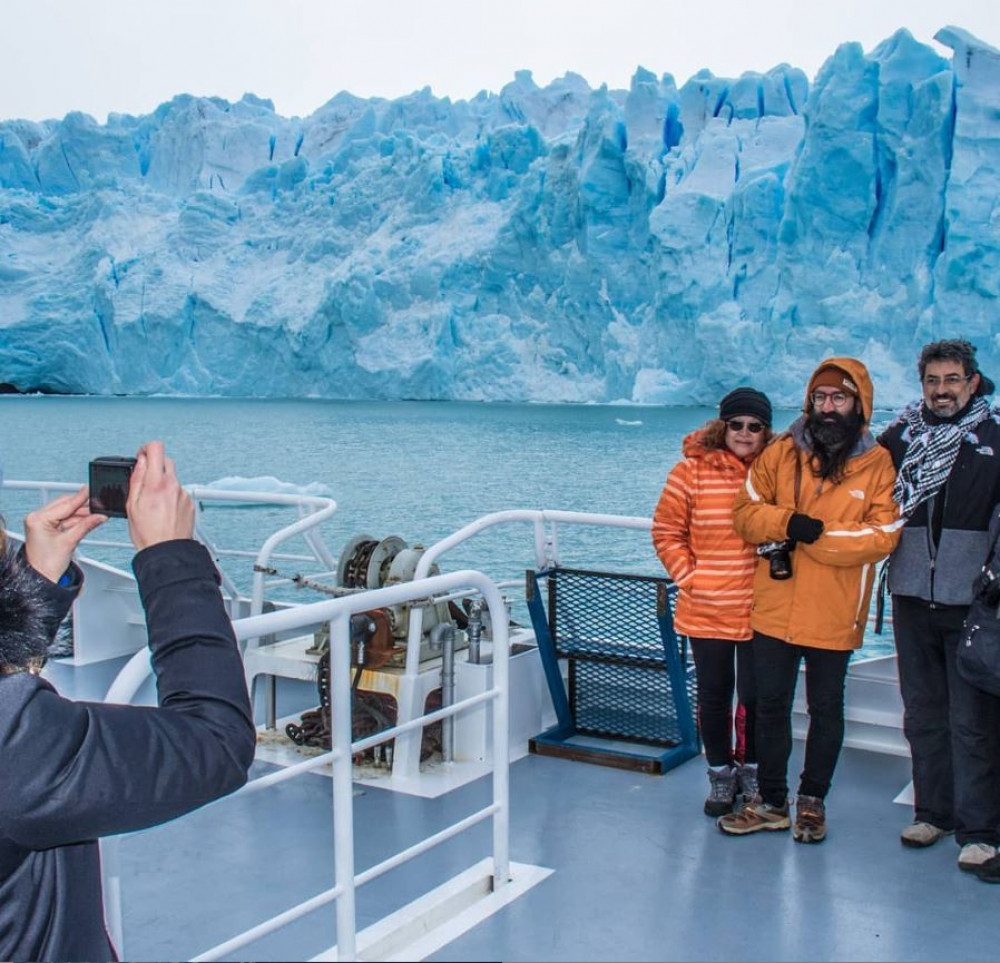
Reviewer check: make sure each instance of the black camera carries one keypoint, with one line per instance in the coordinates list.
(779, 558)
(109, 481)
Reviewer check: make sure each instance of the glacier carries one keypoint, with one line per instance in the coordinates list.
(658, 245)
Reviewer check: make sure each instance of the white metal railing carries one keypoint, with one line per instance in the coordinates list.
(313, 510)
(546, 549)
(337, 612)
(544, 522)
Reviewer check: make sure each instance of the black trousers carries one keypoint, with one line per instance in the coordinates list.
(777, 665)
(723, 666)
(952, 727)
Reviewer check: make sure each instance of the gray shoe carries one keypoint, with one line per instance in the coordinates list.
(720, 799)
(746, 778)
(920, 834)
(973, 855)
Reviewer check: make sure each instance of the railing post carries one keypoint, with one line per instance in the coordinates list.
(343, 787)
(501, 737)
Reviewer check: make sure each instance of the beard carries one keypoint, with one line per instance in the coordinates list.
(833, 437)
(832, 431)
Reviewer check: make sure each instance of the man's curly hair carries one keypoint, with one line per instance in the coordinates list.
(24, 640)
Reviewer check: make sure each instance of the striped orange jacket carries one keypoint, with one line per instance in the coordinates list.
(694, 538)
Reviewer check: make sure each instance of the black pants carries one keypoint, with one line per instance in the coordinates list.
(952, 727)
(777, 665)
(722, 667)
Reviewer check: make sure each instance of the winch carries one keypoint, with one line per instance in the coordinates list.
(367, 562)
(379, 642)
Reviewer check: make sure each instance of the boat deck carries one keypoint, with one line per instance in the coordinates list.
(638, 872)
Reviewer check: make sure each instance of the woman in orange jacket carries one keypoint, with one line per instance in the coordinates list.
(714, 569)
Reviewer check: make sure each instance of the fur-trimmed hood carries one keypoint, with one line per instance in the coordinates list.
(23, 607)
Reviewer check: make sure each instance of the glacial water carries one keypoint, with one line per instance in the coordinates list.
(418, 470)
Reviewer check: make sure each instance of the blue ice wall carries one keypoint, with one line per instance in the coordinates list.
(658, 245)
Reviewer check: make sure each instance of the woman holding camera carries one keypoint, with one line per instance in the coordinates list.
(72, 771)
(714, 570)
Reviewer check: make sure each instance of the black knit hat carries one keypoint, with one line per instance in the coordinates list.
(746, 401)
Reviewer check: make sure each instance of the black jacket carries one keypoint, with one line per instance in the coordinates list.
(72, 772)
(944, 543)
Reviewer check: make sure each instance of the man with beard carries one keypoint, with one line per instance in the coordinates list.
(947, 450)
(823, 489)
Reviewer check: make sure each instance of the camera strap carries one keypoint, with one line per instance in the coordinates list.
(880, 593)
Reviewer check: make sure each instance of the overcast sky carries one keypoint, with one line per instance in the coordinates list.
(128, 56)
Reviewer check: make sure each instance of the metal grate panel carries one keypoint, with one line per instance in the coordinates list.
(629, 679)
(608, 626)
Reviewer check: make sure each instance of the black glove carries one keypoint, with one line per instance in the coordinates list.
(804, 528)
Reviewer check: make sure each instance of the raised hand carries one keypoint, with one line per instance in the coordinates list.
(158, 509)
(52, 533)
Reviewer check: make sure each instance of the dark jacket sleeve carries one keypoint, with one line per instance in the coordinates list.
(58, 597)
(92, 770)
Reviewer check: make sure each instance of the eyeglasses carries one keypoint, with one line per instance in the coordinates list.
(754, 427)
(839, 398)
(949, 381)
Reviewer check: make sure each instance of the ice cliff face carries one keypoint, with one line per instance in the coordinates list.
(659, 245)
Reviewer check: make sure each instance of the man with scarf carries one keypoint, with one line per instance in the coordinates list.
(947, 450)
(824, 488)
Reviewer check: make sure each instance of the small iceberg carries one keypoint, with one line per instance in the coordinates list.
(625, 421)
(268, 484)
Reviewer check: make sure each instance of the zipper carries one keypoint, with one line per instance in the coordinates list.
(931, 545)
(934, 546)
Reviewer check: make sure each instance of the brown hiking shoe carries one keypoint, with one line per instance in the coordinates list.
(754, 817)
(810, 820)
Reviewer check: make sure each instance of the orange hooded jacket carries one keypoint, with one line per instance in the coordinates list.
(825, 603)
(694, 538)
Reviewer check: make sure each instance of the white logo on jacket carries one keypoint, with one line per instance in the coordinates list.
(857, 493)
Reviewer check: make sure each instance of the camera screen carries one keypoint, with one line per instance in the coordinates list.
(109, 488)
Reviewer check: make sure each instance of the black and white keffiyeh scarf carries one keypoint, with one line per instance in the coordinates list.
(931, 452)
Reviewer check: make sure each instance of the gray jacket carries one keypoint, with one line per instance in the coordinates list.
(943, 569)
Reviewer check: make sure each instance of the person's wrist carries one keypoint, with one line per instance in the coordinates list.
(46, 567)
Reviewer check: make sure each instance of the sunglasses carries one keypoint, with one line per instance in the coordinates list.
(754, 427)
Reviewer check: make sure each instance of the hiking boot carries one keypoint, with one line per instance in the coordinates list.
(810, 820)
(919, 834)
(988, 872)
(746, 778)
(720, 799)
(974, 855)
(755, 816)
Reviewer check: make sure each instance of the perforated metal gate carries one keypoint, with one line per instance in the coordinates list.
(630, 693)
